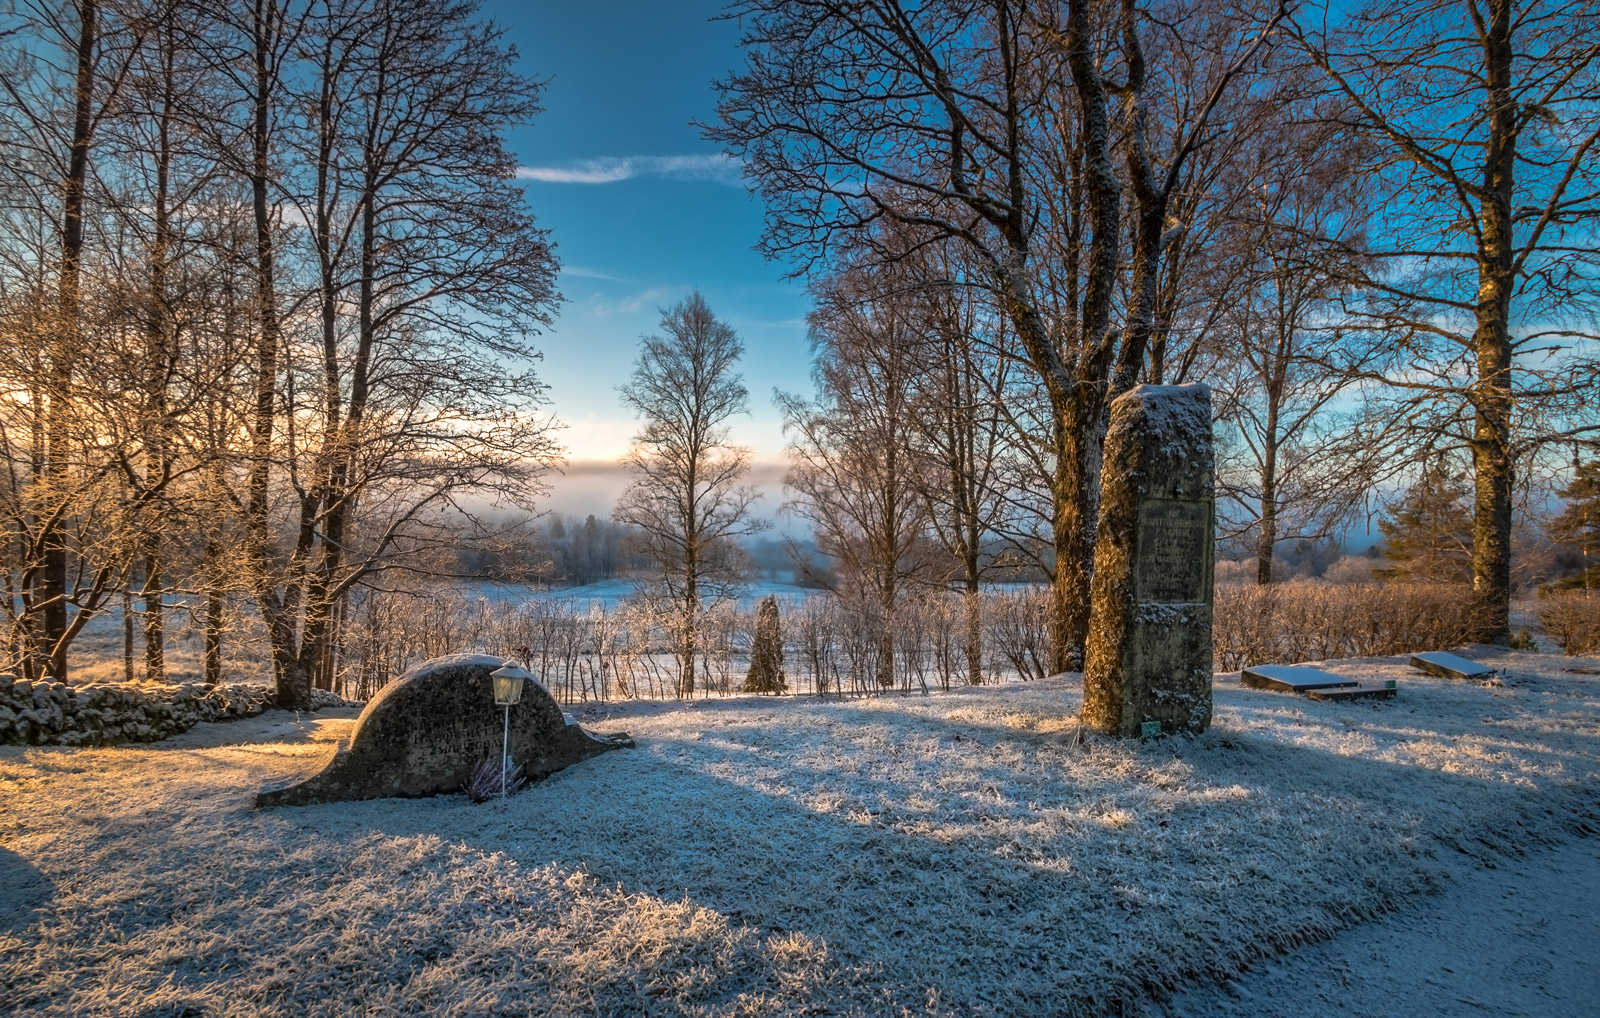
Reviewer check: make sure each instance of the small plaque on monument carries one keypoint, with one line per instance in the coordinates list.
(1148, 659)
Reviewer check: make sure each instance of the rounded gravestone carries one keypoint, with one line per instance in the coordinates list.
(425, 732)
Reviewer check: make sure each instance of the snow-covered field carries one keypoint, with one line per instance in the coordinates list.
(609, 594)
(958, 854)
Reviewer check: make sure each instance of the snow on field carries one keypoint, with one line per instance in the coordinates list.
(608, 594)
(956, 854)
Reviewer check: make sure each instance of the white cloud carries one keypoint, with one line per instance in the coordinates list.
(640, 301)
(649, 299)
(721, 168)
(583, 273)
(595, 439)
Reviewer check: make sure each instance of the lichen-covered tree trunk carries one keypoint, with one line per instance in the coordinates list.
(1492, 400)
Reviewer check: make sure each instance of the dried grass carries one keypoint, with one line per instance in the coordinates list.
(489, 780)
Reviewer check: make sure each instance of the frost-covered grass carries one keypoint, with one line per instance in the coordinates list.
(956, 854)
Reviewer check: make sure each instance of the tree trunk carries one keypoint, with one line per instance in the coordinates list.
(1267, 540)
(265, 24)
(127, 634)
(213, 631)
(159, 343)
(59, 415)
(1076, 502)
(690, 620)
(886, 618)
(155, 657)
(1081, 404)
(1268, 537)
(1491, 440)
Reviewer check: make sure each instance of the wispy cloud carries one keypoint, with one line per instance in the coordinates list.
(723, 169)
(633, 304)
(583, 273)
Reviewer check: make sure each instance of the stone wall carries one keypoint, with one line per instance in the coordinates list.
(55, 714)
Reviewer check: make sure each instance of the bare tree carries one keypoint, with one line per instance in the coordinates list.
(685, 499)
(854, 468)
(82, 53)
(1154, 181)
(1485, 116)
(949, 118)
(291, 234)
(1287, 353)
(961, 431)
(954, 117)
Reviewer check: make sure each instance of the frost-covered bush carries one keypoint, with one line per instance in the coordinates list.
(1312, 621)
(1572, 619)
(587, 651)
(1017, 626)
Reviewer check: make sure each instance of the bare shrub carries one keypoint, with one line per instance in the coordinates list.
(1308, 620)
(815, 630)
(1572, 619)
(589, 651)
(1017, 627)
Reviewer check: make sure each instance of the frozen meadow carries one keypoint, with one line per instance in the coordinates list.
(961, 853)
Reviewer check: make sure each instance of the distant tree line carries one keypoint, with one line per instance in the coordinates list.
(556, 550)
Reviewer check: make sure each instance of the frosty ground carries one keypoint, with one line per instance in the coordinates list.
(963, 853)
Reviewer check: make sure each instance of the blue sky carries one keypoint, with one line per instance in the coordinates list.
(643, 211)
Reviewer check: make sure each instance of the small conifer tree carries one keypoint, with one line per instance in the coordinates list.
(1579, 523)
(766, 651)
(1429, 534)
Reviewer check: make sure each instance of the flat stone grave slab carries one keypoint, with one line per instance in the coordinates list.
(1292, 678)
(1449, 666)
(1354, 693)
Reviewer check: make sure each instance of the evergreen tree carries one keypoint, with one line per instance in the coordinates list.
(1579, 523)
(1429, 534)
(766, 651)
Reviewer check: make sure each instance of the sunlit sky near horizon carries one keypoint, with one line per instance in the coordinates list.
(643, 211)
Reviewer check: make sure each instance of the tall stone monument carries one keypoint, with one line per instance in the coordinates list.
(1148, 659)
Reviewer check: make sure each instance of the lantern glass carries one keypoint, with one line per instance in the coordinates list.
(508, 685)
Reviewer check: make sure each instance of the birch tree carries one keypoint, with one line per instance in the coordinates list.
(856, 474)
(685, 498)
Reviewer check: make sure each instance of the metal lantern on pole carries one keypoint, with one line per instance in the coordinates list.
(507, 680)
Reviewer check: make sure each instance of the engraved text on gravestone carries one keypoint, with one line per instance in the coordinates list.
(1171, 566)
